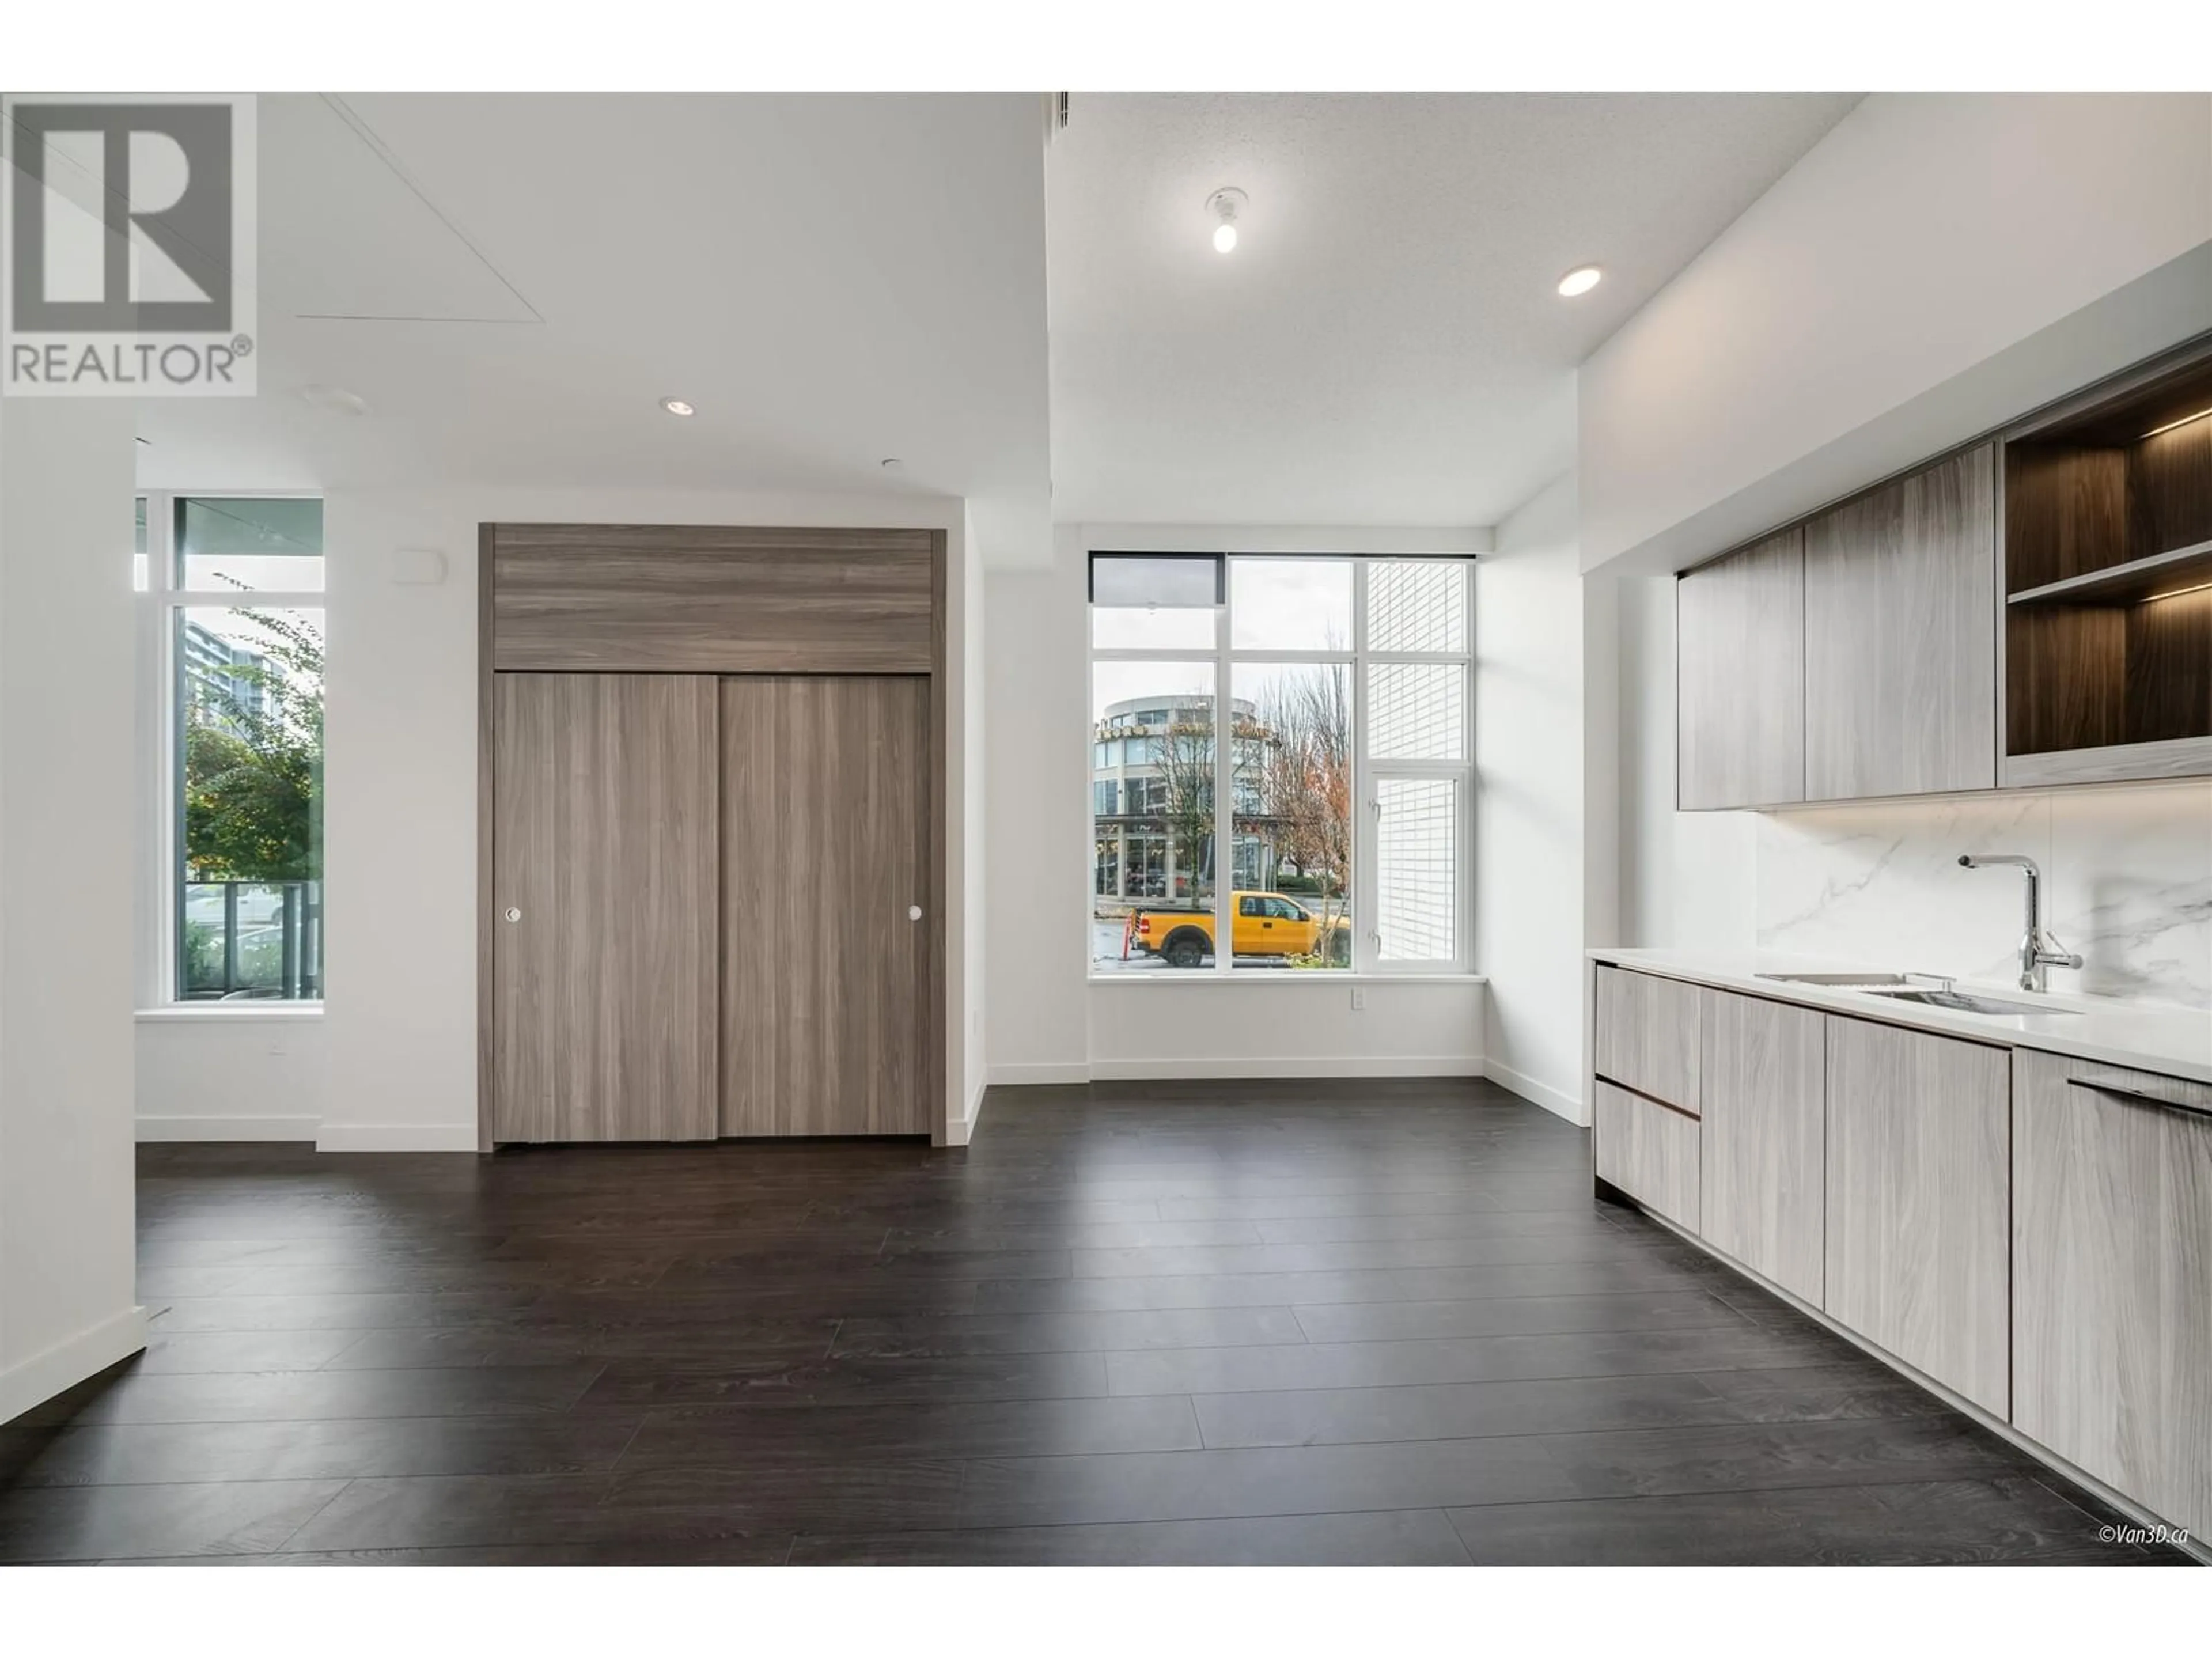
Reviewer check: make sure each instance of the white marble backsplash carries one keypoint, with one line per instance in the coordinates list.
(2127, 883)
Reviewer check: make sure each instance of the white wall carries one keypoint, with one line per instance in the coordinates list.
(68, 847)
(1529, 849)
(205, 1075)
(1685, 877)
(1051, 1023)
(1871, 308)
(401, 784)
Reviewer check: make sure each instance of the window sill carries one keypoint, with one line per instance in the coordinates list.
(1279, 976)
(224, 1013)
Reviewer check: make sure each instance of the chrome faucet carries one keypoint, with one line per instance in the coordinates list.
(2039, 951)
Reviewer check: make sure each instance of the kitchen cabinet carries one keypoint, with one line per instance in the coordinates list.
(1918, 1246)
(1739, 680)
(1646, 1036)
(1900, 636)
(1762, 1137)
(2112, 1246)
(1647, 1150)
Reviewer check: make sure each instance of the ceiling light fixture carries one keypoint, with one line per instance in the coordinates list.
(1580, 280)
(678, 406)
(1223, 207)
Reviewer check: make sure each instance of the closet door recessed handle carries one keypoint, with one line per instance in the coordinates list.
(914, 912)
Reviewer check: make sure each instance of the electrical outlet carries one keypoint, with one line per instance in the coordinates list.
(1358, 998)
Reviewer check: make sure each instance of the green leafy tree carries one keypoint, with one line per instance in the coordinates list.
(253, 759)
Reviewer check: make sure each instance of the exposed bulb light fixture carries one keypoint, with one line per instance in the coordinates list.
(1580, 280)
(678, 406)
(1223, 207)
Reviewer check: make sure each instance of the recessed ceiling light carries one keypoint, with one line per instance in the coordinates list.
(1580, 280)
(678, 406)
(1222, 208)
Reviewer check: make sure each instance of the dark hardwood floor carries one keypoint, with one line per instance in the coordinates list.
(1356, 1322)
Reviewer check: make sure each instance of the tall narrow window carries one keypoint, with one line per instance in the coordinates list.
(1325, 700)
(242, 585)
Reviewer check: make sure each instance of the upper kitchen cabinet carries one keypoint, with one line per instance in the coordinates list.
(1739, 696)
(2108, 581)
(1900, 638)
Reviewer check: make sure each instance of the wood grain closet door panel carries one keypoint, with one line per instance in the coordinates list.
(825, 833)
(712, 600)
(605, 849)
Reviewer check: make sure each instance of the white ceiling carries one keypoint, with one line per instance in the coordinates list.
(1385, 346)
(513, 282)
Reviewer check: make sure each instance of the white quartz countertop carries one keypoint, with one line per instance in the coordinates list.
(2175, 1041)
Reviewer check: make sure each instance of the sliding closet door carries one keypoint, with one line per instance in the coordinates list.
(604, 857)
(825, 805)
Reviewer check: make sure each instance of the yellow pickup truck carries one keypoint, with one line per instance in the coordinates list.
(1265, 925)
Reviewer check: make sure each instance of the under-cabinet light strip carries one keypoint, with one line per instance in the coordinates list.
(2184, 421)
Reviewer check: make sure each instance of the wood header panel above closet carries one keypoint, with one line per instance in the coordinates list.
(683, 599)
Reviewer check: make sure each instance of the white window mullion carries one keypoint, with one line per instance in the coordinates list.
(1363, 888)
(1225, 795)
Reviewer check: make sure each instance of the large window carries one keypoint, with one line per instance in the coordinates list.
(1341, 687)
(237, 583)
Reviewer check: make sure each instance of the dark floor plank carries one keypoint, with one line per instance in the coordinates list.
(1452, 1411)
(849, 1380)
(745, 1437)
(1390, 1538)
(1758, 1456)
(274, 1396)
(134, 1453)
(1501, 1315)
(1276, 1480)
(90, 1523)
(1470, 1359)
(2005, 1518)
(1047, 1332)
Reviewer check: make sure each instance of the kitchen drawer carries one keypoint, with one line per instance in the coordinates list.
(1649, 1151)
(2112, 1246)
(1647, 1035)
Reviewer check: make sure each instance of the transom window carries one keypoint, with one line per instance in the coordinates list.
(235, 587)
(1342, 689)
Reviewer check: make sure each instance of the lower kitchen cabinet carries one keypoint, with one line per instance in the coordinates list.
(1648, 1150)
(1647, 1035)
(1918, 1242)
(1762, 1132)
(2112, 1278)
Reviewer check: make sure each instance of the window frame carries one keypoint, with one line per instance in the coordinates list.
(162, 602)
(1367, 769)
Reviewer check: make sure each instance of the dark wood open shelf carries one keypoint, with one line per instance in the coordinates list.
(2158, 576)
(2107, 563)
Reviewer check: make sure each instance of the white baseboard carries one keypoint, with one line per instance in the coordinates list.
(396, 1138)
(228, 1128)
(1276, 1066)
(961, 1130)
(1016, 1077)
(1567, 1106)
(43, 1375)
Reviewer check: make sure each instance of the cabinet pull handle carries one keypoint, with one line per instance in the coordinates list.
(2138, 1096)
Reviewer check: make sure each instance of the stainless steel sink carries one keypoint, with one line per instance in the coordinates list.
(1960, 1002)
(1842, 981)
